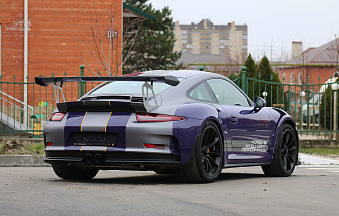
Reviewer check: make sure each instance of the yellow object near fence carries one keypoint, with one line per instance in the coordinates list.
(37, 122)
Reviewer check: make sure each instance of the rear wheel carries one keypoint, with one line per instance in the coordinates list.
(74, 173)
(207, 156)
(285, 153)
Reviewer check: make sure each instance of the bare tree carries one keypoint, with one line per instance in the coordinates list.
(106, 39)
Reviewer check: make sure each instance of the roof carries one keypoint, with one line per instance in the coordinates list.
(132, 14)
(188, 57)
(200, 26)
(175, 73)
(325, 54)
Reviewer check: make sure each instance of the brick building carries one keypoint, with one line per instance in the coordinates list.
(314, 63)
(54, 38)
(59, 36)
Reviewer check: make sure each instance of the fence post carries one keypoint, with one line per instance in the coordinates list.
(243, 78)
(82, 73)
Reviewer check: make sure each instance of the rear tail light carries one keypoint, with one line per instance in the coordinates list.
(150, 117)
(57, 116)
(49, 144)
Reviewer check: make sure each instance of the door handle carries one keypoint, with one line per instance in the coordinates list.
(234, 119)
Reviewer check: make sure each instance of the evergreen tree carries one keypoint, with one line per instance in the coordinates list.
(273, 91)
(154, 49)
(325, 114)
(250, 66)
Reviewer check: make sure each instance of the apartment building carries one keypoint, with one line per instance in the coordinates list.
(204, 37)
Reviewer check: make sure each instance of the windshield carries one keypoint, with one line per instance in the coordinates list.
(128, 87)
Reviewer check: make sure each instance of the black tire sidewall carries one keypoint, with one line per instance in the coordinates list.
(205, 176)
(277, 151)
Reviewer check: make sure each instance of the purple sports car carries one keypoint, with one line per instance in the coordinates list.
(188, 123)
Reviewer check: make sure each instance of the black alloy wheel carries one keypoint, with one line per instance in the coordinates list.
(288, 150)
(285, 155)
(211, 151)
(207, 156)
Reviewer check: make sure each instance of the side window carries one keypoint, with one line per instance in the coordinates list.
(227, 94)
(200, 92)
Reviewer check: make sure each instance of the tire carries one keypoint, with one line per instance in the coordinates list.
(207, 157)
(74, 173)
(164, 171)
(285, 156)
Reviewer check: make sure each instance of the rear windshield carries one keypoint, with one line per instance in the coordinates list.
(128, 87)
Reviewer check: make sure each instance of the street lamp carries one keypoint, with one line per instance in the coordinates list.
(302, 94)
(264, 94)
(335, 88)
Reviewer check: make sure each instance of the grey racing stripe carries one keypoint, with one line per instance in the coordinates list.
(95, 121)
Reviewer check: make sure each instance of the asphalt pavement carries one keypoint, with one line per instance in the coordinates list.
(311, 190)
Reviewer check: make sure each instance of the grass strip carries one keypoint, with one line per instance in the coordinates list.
(320, 151)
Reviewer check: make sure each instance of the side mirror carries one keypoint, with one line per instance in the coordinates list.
(259, 103)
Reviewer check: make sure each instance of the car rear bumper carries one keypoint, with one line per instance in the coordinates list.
(113, 160)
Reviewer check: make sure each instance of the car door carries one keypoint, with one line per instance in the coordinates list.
(249, 130)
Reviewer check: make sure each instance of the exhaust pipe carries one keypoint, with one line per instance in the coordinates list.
(98, 158)
(88, 158)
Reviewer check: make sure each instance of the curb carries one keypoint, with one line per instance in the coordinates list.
(22, 160)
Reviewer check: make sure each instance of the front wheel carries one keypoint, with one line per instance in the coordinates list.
(285, 155)
(207, 156)
(74, 173)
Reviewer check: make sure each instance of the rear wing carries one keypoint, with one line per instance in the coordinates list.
(148, 85)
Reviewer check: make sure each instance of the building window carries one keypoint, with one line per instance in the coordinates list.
(184, 41)
(184, 32)
(299, 78)
(184, 36)
(231, 32)
(179, 37)
(291, 78)
(284, 78)
(244, 37)
(230, 37)
(235, 37)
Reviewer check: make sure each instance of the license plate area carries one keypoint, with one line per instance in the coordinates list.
(94, 139)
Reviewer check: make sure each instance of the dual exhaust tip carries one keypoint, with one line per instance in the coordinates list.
(97, 158)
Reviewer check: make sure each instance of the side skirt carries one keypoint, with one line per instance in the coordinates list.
(244, 165)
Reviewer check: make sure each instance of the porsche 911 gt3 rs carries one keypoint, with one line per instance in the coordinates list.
(190, 123)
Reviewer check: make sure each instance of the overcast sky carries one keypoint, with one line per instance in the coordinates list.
(277, 22)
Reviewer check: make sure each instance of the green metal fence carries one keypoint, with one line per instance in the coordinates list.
(314, 107)
(26, 117)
